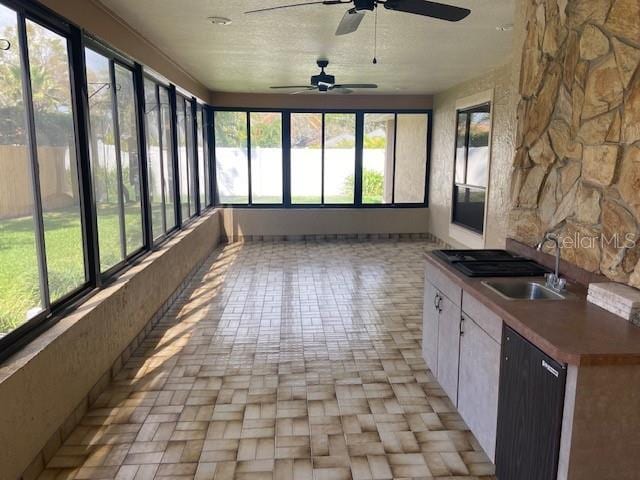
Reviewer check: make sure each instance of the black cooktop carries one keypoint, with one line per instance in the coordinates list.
(452, 256)
(490, 263)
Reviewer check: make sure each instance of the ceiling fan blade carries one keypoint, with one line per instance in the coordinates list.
(350, 22)
(280, 7)
(428, 9)
(343, 91)
(356, 85)
(308, 87)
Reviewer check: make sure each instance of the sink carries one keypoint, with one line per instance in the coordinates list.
(523, 290)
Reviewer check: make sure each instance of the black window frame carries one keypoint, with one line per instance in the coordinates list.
(76, 40)
(114, 59)
(478, 108)
(286, 157)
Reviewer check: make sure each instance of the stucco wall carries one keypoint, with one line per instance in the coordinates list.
(502, 151)
(504, 83)
(42, 384)
(243, 222)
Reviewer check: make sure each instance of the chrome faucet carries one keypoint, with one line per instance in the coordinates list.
(553, 280)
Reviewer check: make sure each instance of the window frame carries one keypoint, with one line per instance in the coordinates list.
(115, 59)
(76, 40)
(474, 108)
(359, 134)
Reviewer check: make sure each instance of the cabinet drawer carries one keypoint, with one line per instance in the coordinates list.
(483, 316)
(438, 279)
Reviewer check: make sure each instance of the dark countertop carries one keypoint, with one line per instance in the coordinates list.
(572, 331)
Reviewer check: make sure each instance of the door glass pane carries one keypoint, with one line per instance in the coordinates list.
(203, 177)
(231, 157)
(104, 165)
(130, 158)
(478, 161)
(461, 148)
(306, 158)
(154, 156)
(339, 157)
(377, 158)
(19, 277)
(266, 157)
(50, 83)
(183, 172)
(167, 159)
(411, 158)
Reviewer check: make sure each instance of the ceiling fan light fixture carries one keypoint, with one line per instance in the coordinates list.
(223, 21)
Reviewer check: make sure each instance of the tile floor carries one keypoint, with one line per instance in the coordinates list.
(280, 361)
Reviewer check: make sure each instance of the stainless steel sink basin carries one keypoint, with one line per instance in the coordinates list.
(523, 290)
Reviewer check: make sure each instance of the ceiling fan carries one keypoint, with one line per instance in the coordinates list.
(323, 82)
(352, 17)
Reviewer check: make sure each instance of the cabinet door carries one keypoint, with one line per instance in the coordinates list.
(479, 384)
(430, 327)
(529, 412)
(449, 347)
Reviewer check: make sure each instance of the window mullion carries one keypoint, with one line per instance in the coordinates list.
(250, 191)
(116, 137)
(286, 159)
(156, 90)
(196, 159)
(173, 107)
(358, 173)
(211, 138)
(33, 155)
(138, 83)
(395, 138)
(322, 161)
(88, 206)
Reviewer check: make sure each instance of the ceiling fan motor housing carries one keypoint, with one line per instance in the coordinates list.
(364, 5)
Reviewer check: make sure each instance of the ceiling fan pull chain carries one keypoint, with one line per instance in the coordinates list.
(375, 37)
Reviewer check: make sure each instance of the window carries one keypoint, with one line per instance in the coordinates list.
(377, 157)
(183, 158)
(411, 158)
(42, 255)
(115, 160)
(58, 165)
(471, 167)
(266, 157)
(323, 152)
(168, 166)
(232, 160)
(154, 158)
(339, 157)
(322, 158)
(20, 293)
(191, 159)
(306, 158)
(203, 158)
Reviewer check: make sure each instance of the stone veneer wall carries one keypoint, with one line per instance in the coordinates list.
(577, 166)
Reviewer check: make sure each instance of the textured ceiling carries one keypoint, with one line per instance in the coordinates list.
(416, 55)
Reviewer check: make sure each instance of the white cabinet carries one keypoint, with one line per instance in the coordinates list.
(430, 320)
(461, 342)
(479, 378)
(449, 347)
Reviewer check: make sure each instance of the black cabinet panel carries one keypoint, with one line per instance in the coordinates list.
(530, 406)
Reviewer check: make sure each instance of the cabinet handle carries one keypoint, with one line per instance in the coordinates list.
(439, 304)
(436, 301)
(461, 326)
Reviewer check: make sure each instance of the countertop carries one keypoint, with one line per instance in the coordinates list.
(572, 331)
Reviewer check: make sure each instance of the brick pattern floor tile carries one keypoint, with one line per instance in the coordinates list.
(282, 360)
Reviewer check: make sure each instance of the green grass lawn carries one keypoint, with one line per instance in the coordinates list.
(19, 279)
